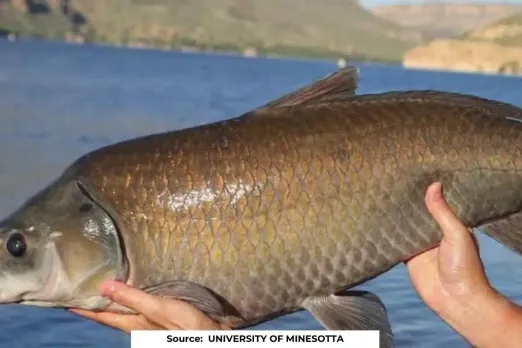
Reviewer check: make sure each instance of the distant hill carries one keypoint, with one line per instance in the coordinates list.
(293, 27)
(448, 19)
(507, 31)
(495, 48)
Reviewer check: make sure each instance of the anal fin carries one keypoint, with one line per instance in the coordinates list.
(354, 310)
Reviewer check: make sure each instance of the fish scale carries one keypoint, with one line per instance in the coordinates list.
(282, 208)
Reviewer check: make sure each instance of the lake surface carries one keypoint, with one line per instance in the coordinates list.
(59, 101)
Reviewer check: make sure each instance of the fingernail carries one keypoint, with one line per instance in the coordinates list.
(437, 193)
(108, 287)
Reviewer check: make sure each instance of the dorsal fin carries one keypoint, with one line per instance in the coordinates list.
(337, 86)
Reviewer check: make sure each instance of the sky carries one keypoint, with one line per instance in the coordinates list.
(371, 3)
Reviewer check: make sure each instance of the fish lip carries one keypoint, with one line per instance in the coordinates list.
(124, 271)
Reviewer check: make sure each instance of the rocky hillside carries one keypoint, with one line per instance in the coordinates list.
(446, 19)
(295, 27)
(495, 48)
(506, 32)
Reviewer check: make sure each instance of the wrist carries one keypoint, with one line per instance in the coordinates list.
(486, 319)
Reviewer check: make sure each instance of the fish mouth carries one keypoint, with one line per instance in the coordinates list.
(124, 272)
(58, 290)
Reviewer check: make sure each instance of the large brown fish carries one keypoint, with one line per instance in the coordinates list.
(273, 211)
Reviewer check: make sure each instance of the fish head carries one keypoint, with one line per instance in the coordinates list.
(57, 249)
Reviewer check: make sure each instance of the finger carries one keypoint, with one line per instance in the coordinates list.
(420, 263)
(422, 270)
(123, 322)
(450, 225)
(165, 312)
(475, 241)
(137, 300)
(100, 317)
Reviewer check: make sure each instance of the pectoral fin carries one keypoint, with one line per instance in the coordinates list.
(198, 296)
(354, 310)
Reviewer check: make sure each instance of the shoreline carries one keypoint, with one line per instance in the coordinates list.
(421, 67)
(282, 52)
(416, 65)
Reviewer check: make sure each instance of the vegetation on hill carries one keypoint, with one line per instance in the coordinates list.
(446, 19)
(53, 19)
(507, 31)
(293, 27)
(495, 48)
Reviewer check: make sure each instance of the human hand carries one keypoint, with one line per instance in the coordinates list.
(154, 313)
(453, 271)
(450, 279)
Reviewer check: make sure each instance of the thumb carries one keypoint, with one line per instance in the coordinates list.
(451, 227)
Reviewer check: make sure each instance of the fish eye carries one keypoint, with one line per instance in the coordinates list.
(16, 245)
(85, 207)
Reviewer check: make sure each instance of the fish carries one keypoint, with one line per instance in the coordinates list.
(286, 207)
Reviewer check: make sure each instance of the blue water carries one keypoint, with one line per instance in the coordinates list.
(59, 101)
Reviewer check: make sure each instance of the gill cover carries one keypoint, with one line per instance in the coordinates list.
(57, 249)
